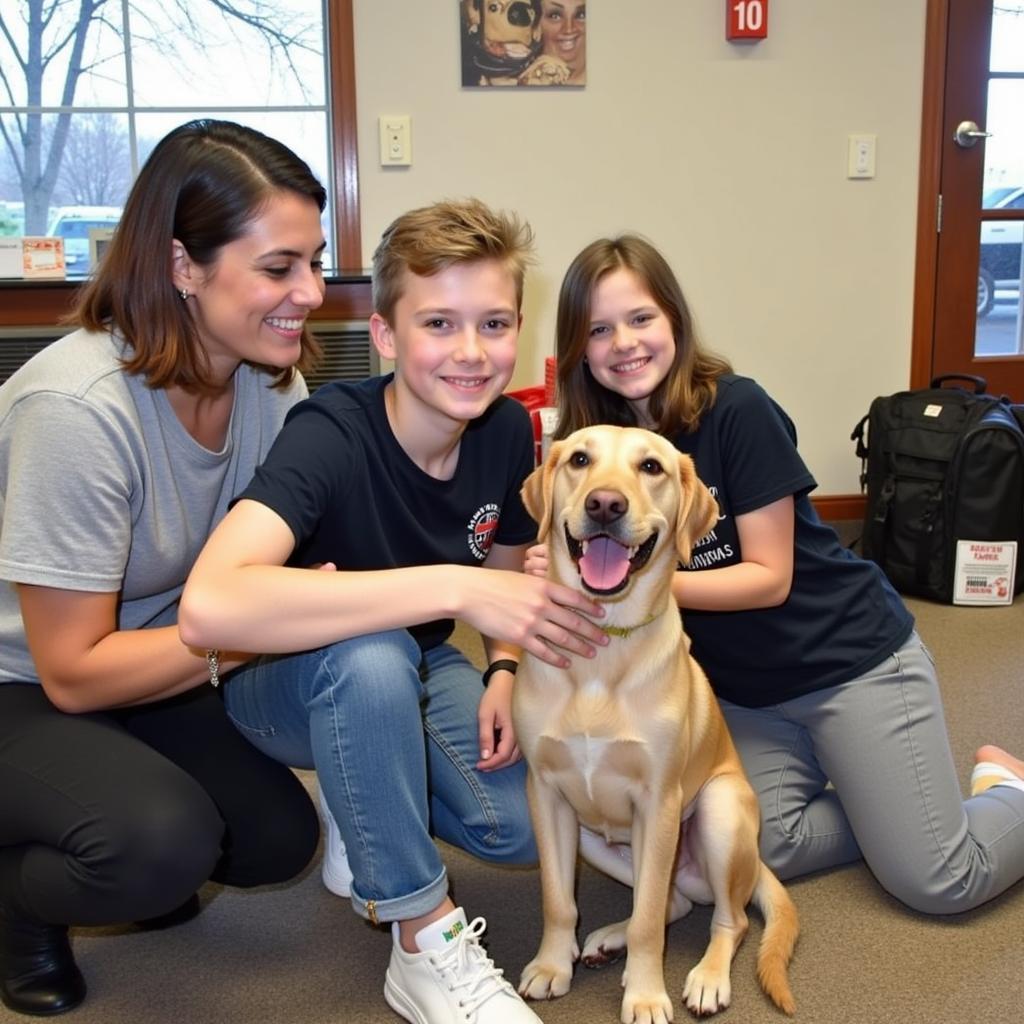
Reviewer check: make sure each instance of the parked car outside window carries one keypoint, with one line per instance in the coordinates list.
(72, 223)
(1001, 244)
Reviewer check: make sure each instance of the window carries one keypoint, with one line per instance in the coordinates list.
(115, 76)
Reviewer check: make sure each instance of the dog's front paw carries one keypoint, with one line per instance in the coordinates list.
(707, 991)
(545, 979)
(605, 945)
(645, 1007)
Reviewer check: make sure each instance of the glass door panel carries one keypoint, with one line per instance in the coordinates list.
(999, 330)
(981, 233)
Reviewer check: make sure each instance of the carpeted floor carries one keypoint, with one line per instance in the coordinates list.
(295, 954)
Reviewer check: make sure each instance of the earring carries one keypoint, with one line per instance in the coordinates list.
(184, 294)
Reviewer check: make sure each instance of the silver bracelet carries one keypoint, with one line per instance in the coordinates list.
(213, 661)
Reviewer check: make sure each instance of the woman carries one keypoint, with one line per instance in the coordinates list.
(562, 29)
(123, 786)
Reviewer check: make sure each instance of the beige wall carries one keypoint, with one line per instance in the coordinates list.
(731, 158)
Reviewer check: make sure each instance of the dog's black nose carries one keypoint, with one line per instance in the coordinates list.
(605, 507)
(520, 14)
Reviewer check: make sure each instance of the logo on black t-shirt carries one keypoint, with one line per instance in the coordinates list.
(482, 528)
(722, 550)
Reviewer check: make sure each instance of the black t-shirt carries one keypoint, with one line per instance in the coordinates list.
(349, 493)
(842, 616)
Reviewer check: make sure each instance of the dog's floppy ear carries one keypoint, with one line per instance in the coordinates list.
(698, 510)
(536, 492)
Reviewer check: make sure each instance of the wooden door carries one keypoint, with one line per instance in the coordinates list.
(974, 218)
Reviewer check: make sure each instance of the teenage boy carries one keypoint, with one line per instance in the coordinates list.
(407, 486)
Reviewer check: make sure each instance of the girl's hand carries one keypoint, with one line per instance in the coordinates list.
(536, 563)
(498, 747)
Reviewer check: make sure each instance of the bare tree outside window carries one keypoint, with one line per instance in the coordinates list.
(88, 86)
(96, 166)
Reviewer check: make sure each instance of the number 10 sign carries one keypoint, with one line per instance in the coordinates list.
(746, 19)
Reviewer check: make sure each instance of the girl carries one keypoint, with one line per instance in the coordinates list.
(829, 692)
(123, 786)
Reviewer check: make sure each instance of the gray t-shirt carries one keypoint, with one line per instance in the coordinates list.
(103, 490)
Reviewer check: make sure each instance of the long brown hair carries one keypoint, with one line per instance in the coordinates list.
(688, 389)
(203, 185)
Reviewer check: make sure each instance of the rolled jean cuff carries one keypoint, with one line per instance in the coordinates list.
(402, 908)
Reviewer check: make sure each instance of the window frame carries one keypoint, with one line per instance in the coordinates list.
(342, 79)
(35, 303)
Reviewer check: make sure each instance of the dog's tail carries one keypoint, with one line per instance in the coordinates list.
(781, 928)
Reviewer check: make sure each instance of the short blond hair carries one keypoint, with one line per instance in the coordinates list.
(432, 238)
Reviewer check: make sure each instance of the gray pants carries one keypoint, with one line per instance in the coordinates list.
(864, 769)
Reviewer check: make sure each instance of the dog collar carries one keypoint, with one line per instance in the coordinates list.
(625, 631)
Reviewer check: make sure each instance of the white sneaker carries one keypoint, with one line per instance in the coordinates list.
(334, 869)
(452, 980)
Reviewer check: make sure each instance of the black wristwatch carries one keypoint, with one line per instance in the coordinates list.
(496, 666)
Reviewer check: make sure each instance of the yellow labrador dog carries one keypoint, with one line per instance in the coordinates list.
(631, 745)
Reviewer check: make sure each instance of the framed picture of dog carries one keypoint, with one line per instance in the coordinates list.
(523, 42)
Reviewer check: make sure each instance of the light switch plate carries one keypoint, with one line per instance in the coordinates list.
(395, 140)
(860, 156)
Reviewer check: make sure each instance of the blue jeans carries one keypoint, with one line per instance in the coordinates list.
(865, 769)
(392, 734)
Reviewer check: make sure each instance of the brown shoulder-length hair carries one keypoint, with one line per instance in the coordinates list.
(203, 185)
(688, 389)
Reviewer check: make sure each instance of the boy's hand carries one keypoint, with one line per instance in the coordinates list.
(498, 747)
(536, 563)
(537, 615)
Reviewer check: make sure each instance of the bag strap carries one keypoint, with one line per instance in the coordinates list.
(879, 518)
(924, 545)
(861, 450)
(979, 382)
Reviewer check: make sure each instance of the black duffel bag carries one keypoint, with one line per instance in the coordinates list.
(940, 465)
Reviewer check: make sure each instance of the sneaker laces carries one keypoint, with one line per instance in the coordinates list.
(466, 965)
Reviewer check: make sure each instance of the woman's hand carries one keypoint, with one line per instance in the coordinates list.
(536, 563)
(546, 70)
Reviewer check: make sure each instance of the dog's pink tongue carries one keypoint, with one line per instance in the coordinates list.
(605, 564)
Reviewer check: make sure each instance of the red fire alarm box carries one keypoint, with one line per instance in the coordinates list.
(746, 19)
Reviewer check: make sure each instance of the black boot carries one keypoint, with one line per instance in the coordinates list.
(38, 974)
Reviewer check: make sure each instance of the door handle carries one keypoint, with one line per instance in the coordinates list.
(967, 134)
